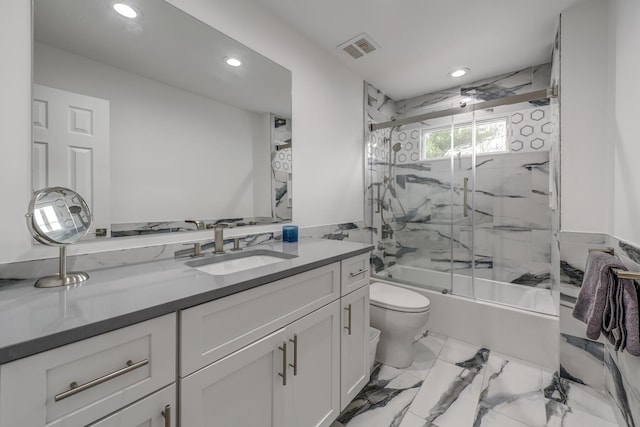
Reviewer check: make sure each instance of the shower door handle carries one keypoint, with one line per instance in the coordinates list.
(464, 197)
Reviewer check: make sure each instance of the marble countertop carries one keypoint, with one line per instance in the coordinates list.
(35, 320)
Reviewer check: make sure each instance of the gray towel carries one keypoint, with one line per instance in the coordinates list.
(608, 304)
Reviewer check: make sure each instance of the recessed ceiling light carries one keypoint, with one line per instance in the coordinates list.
(459, 72)
(234, 62)
(125, 10)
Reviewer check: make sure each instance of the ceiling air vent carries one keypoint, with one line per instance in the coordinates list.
(359, 45)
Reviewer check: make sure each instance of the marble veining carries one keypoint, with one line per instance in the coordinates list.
(571, 275)
(619, 391)
(631, 251)
(380, 397)
(456, 384)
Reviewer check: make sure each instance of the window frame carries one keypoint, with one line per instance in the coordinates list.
(461, 124)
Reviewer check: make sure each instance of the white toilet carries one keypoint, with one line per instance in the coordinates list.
(400, 314)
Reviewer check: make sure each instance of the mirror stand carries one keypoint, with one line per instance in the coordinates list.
(63, 278)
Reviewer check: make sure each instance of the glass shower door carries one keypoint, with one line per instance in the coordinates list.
(511, 216)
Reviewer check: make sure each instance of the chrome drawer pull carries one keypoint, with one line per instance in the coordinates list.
(74, 388)
(294, 365)
(284, 363)
(167, 415)
(348, 327)
(359, 272)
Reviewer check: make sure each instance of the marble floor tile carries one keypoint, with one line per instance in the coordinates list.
(450, 393)
(427, 350)
(412, 420)
(383, 401)
(560, 415)
(495, 419)
(455, 351)
(586, 399)
(513, 389)
(455, 384)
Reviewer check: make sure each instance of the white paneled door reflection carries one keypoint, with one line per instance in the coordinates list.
(71, 147)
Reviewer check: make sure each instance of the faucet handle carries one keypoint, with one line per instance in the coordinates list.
(197, 249)
(198, 222)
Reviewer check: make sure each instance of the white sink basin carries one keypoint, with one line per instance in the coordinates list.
(221, 265)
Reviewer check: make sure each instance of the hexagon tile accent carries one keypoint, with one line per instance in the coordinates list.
(547, 128)
(537, 143)
(516, 118)
(516, 145)
(526, 130)
(537, 115)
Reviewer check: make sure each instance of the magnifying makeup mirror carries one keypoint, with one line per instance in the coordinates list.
(59, 217)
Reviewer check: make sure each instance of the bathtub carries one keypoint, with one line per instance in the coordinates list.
(522, 323)
(519, 296)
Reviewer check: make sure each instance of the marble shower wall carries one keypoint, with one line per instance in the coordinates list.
(416, 207)
(378, 108)
(511, 226)
(596, 363)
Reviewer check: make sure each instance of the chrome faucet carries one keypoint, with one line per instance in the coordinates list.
(219, 236)
(198, 223)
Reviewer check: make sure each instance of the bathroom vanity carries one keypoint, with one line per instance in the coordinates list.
(164, 344)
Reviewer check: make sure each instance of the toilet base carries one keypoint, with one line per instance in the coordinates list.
(397, 353)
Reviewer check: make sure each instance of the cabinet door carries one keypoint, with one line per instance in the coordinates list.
(152, 411)
(313, 398)
(355, 344)
(243, 389)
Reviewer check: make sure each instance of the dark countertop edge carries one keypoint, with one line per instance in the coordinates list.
(49, 342)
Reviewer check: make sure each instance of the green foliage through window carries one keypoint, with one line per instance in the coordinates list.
(491, 137)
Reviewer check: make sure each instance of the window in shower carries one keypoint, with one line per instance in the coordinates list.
(491, 137)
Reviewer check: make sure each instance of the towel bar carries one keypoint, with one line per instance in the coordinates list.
(608, 250)
(623, 274)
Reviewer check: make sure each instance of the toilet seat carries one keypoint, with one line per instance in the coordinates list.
(397, 298)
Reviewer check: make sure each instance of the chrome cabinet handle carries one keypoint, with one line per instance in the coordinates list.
(464, 201)
(348, 327)
(74, 388)
(357, 273)
(294, 365)
(284, 363)
(167, 415)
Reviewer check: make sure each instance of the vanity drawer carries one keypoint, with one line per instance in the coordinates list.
(148, 412)
(355, 273)
(108, 372)
(215, 329)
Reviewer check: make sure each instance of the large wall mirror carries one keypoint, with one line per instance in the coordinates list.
(146, 119)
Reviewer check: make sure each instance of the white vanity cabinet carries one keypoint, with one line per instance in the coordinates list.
(290, 378)
(313, 359)
(81, 383)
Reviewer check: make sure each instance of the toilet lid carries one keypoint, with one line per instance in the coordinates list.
(397, 298)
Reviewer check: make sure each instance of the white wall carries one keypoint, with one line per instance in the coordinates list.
(174, 155)
(327, 121)
(623, 132)
(584, 147)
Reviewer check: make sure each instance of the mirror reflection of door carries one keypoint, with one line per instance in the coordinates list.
(71, 147)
